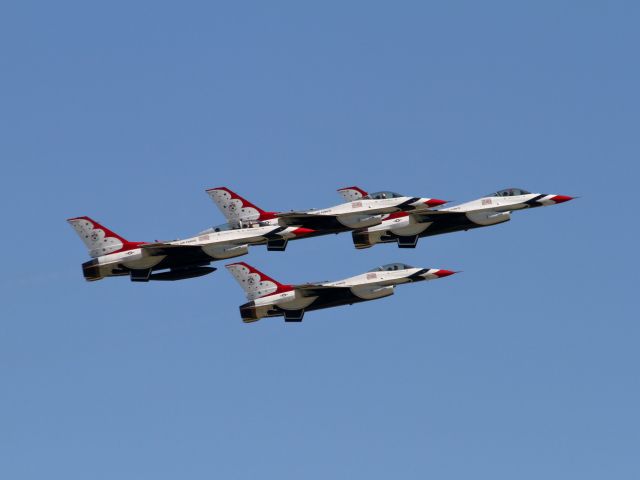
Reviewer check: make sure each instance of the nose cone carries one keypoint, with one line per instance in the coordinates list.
(434, 202)
(561, 198)
(301, 231)
(443, 273)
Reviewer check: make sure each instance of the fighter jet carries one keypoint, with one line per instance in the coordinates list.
(269, 298)
(364, 210)
(406, 228)
(173, 260)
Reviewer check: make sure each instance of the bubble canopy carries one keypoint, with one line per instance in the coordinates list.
(509, 192)
(237, 226)
(390, 267)
(218, 228)
(383, 195)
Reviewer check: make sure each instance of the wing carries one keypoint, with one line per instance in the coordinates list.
(325, 221)
(444, 215)
(435, 215)
(293, 215)
(309, 220)
(328, 292)
(162, 248)
(179, 253)
(315, 290)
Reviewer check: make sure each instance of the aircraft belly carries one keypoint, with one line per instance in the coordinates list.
(488, 217)
(360, 221)
(225, 251)
(333, 299)
(144, 262)
(318, 222)
(192, 258)
(454, 223)
(326, 300)
(410, 230)
(297, 303)
(372, 292)
(465, 221)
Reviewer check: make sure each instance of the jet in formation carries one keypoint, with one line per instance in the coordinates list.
(365, 211)
(405, 228)
(113, 256)
(270, 298)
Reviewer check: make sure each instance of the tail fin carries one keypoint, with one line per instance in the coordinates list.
(235, 208)
(99, 239)
(351, 194)
(255, 283)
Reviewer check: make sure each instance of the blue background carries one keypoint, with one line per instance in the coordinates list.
(524, 366)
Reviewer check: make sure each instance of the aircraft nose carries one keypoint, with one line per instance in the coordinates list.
(434, 202)
(443, 273)
(301, 231)
(561, 198)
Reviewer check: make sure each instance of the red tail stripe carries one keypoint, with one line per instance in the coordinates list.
(126, 244)
(280, 287)
(264, 215)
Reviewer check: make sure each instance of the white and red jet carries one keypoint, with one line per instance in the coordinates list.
(269, 298)
(174, 260)
(406, 228)
(363, 210)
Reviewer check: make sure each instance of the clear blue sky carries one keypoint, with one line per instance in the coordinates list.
(525, 366)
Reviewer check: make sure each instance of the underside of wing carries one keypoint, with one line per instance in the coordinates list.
(434, 215)
(314, 289)
(161, 248)
(302, 215)
(310, 220)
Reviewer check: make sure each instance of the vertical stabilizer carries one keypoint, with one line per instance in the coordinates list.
(236, 209)
(351, 194)
(255, 283)
(98, 238)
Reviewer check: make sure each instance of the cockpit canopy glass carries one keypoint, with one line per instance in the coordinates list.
(383, 195)
(218, 228)
(510, 192)
(390, 267)
(235, 226)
